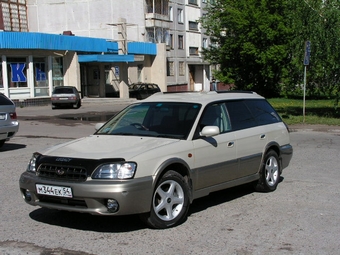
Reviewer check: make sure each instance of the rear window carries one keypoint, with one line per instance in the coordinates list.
(263, 112)
(63, 91)
(250, 113)
(4, 100)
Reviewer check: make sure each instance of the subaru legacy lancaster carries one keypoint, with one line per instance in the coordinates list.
(159, 154)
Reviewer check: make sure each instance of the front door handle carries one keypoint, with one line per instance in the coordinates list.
(230, 144)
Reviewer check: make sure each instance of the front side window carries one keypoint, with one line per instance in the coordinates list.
(215, 115)
(156, 119)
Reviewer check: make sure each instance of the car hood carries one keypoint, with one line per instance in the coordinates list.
(107, 146)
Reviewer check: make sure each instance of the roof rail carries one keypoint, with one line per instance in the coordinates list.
(236, 91)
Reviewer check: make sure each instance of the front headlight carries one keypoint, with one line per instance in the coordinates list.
(115, 171)
(32, 163)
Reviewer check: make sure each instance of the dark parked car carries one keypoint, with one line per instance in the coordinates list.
(9, 124)
(143, 90)
(65, 96)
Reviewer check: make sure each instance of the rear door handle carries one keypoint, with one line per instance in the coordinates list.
(263, 136)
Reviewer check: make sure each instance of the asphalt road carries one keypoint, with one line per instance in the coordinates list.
(300, 217)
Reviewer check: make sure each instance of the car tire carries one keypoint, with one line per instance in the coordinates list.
(2, 143)
(54, 106)
(77, 105)
(269, 173)
(170, 202)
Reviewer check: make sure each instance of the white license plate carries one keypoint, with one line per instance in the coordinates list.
(56, 191)
(63, 98)
(2, 116)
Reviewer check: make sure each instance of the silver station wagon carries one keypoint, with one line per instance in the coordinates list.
(159, 154)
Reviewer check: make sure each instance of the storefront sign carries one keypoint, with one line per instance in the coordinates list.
(18, 74)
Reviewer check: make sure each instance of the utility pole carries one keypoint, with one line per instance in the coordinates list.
(123, 66)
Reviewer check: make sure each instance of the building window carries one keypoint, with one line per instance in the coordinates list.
(193, 2)
(180, 42)
(193, 25)
(171, 41)
(171, 14)
(193, 50)
(139, 73)
(181, 68)
(40, 72)
(170, 68)
(57, 71)
(205, 43)
(204, 1)
(17, 72)
(180, 17)
(13, 15)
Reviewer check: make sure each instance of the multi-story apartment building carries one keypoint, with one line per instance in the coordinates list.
(186, 68)
(175, 63)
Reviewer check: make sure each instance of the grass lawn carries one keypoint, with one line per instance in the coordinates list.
(316, 111)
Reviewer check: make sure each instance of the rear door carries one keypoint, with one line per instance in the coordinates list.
(251, 138)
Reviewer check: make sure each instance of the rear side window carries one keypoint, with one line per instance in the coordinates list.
(263, 112)
(239, 115)
(4, 100)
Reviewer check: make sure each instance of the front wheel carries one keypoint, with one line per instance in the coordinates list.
(269, 173)
(170, 202)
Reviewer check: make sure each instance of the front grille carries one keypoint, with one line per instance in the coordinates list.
(62, 201)
(62, 173)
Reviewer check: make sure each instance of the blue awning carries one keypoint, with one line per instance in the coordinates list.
(42, 41)
(106, 58)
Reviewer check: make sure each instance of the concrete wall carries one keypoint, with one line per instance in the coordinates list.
(89, 18)
(158, 67)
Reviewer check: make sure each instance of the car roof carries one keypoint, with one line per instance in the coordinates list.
(201, 97)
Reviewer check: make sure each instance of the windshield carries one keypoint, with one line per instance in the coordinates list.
(156, 119)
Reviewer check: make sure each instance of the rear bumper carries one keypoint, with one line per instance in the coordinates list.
(134, 196)
(9, 131)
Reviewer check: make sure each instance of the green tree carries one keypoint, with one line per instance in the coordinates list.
(259, 44)
(319, 22)
(250, 40)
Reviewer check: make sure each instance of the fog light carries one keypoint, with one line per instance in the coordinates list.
(112, 205)
(27, 195)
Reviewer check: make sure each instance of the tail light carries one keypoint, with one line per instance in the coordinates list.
(13, 115)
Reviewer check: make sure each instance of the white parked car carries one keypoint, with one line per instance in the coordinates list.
(9, 124)
(159, 154)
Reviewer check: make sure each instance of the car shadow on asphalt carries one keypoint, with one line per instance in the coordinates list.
(220, 197)
(88, 222)
(12, 146)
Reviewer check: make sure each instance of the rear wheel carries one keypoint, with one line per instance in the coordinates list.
(170, 202)
(269, 173)
(2, 143)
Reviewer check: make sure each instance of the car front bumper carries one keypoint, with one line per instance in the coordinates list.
(133, 196)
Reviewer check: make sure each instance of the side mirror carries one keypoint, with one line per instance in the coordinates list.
(208, 131)
(98, 126)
